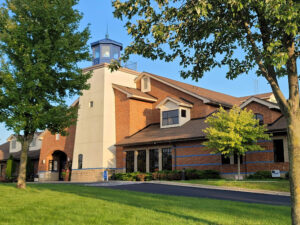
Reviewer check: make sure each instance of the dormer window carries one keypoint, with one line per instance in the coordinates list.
(105, 51)
(259, 117)
(170, 117)
(183, 113)
(13, 144)
(146, 84)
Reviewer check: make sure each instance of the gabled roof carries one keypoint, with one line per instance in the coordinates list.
(261, 96)
(178, 101)
(153, 134)
(38, 134)
(134, 93)
(208, 96)
(270, 105)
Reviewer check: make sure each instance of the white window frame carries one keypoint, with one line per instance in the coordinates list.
(148, 83)
(57, 137)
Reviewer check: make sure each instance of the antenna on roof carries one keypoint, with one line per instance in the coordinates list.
(256, 87)
(106, 35)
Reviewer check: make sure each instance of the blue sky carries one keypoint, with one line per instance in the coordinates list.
(98, 13)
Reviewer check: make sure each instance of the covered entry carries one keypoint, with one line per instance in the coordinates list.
(58, 163)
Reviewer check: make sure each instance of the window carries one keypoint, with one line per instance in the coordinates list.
(278, 150)
(153, 158)
(105, 51)
(80, 156)
(141, 161)
(170, 117)
(145, 83)
(236, 159)
(183, 113)
(97, 52)
(259, 117)
(166, 159)
(50, 165)
(57, 137)
(91, 104)
(13, 144)
(130, 162)
(225, 159)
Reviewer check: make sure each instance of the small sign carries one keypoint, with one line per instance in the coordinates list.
(105, 175)
(275, 173)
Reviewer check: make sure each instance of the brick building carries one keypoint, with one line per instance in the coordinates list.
(131, 121)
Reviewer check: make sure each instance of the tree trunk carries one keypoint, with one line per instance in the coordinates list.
(239, 166)
(23, 162)
(294, 159)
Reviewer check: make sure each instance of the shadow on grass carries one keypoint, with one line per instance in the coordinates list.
(180, 207)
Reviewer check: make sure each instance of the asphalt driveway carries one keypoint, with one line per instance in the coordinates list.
(206, 193)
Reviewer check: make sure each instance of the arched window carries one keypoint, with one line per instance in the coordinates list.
(80, 156)
(259, 117)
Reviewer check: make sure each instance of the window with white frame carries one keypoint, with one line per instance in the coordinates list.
(57, 136)
(170, 117)
(146, 84)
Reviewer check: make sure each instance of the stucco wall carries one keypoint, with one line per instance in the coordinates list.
(95, 133)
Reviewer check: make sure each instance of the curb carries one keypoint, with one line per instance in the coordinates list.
(256, 191)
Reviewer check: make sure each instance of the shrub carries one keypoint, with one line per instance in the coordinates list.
(261, 175)
(10, 167)
(287, 175)
(208, 174)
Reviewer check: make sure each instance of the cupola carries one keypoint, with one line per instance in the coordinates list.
(105, 50)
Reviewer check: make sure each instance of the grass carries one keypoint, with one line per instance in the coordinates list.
(271, 185)
(73, 204)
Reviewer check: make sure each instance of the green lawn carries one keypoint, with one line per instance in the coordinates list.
(272, 185)
(72, 204)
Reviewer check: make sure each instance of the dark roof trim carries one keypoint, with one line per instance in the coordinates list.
(162, 142)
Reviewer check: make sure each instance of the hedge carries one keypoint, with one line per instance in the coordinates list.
(168, 175)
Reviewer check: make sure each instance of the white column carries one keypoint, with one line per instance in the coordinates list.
(135, 160)
(160, 159)
(147, 161)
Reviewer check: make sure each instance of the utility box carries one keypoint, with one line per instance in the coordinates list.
(275, 173)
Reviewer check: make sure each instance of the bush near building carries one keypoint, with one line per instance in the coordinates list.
(168, 175)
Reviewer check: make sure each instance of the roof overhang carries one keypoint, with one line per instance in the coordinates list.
(130, 95)
(205, 100)
(179, 103)
(268, 104)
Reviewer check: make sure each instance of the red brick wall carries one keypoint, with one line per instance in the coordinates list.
(50, 144)
(193, 155)
(161, 91)
(268, 114)
(131, 115)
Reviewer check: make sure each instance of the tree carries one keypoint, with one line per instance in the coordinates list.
(234, 132)
(205, 34)
(41, 46)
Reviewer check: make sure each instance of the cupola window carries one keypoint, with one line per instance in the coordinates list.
(105, 51)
